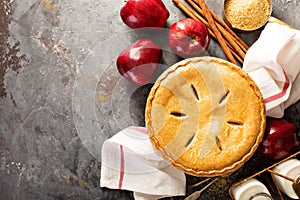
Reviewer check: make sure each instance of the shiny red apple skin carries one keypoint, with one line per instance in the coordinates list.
(188, 37)
(139, 61)
(144, 13)
(281, 139)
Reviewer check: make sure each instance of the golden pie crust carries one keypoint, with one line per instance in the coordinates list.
(206, 116)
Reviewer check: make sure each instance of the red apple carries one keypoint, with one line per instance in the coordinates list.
(144, 13)
(280, 139)
(188, 37)
(139, 61)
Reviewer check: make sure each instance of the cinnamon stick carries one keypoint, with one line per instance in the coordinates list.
(232, 42)
(185, 9)
(222, 42)
(228, 29)
(241, 60)
(239, 47)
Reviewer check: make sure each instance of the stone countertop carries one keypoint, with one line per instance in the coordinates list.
(49, 141)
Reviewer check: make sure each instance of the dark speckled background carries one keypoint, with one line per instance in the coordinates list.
(43, 43)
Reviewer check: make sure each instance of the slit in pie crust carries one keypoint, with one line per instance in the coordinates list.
(206, 116)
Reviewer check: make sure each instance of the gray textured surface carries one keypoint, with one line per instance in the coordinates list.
(44, 153)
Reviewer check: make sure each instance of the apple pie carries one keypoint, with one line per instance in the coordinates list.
(206, 116)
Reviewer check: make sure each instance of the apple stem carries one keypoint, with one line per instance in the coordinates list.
(125, 1)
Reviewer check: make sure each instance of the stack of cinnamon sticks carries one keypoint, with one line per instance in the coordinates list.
(232, 45)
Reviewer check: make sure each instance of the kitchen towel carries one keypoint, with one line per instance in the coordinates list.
(273, 62)
(129, 162)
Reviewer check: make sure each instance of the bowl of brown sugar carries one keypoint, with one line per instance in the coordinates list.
(247, 15)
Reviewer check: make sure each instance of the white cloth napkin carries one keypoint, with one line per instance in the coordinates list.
(129, 162)
(273, 62)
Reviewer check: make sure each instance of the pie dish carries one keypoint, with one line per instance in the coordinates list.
(206, 116)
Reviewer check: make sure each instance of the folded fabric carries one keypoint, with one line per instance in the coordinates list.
(273, 63)
(129, 162)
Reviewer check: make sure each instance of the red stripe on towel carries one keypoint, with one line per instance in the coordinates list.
(282, 93)
(140, 129)
(122, 162)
